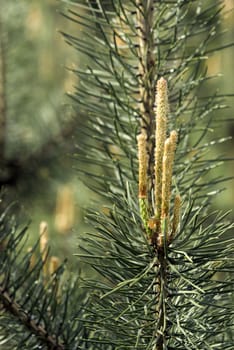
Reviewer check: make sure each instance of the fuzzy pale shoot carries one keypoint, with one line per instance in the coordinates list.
(143, 162)
(176, 215)
(160, 137)
(167, 169)
(54, 264)
(43, 232)
(168, 161)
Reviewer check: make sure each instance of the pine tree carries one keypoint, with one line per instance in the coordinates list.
(161, 257)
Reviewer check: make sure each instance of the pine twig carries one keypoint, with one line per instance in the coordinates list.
(146, 71)
(26, 320)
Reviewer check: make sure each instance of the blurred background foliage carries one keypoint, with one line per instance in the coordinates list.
(39, 122)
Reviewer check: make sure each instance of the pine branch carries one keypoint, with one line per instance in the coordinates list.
(158, 261)
(24, 318)
(35, 292)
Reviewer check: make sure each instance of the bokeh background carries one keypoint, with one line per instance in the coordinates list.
(39, 121)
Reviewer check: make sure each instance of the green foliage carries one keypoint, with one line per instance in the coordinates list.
(37, 311)
(142, 296)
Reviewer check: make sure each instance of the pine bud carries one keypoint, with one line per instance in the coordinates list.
(143, 162)
(166, 179)
(168, 161)
(43, 231)
(54, 264)
(160, 137)
(32, 260)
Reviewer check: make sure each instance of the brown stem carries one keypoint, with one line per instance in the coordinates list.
(24, 318)
(161, 282)
(146, 73)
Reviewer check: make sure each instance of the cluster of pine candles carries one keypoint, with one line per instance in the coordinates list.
(159, 228)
